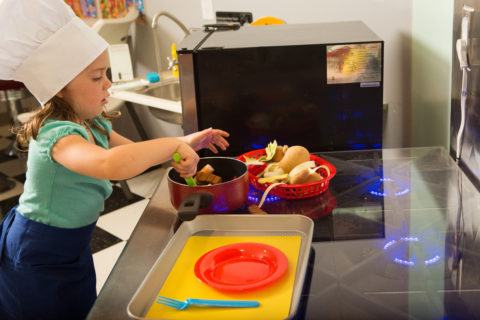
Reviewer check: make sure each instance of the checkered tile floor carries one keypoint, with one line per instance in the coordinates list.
(115, 224)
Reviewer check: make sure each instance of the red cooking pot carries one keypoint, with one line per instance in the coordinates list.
(227, 196)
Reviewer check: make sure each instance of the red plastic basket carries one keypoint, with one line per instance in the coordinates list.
(289, 191)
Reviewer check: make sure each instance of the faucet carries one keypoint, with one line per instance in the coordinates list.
(171, 62)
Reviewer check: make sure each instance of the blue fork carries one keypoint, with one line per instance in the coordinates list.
(182, 305)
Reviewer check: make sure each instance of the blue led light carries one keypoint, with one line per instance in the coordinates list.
(433, 260)
(255, 195)
(404, 262)
(412, 239)
(401, 193)
(376, 187)
(409, 263)
(255, 199)
(389, 244)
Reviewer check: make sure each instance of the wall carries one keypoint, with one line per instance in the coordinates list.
(391, 20)
(431, 72)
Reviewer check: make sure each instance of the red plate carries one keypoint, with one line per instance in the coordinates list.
(241, 266)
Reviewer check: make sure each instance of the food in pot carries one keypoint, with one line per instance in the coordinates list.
(206, 177)
(228, 196)
(207, 169)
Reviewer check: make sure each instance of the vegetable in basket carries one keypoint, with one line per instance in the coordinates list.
(293, 166)
(294, 156)
(287, 165)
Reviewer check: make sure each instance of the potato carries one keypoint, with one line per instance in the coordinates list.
(299, 176)
(293, 157)
(207, 169)
(304, 173)
(313, 177)
(307, 164)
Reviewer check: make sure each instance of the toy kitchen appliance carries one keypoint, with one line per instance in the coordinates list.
(318, 85)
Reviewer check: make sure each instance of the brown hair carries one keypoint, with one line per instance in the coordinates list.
(55, 108)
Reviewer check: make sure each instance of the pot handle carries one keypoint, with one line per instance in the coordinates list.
(189, 207)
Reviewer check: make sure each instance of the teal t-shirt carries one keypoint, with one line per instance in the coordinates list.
(55, 195)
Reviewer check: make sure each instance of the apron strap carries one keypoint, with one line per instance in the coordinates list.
(4, 227)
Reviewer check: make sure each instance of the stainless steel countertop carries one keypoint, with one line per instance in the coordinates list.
(147, 241)
(382, 197)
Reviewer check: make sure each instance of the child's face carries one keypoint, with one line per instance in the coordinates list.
(87, 93)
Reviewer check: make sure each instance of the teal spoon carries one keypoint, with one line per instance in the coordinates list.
(190, 181)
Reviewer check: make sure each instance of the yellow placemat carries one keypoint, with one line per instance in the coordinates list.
(182, 283)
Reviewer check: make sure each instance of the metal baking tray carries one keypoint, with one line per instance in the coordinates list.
(225, 225)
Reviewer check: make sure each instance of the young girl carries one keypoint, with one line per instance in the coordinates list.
(46, 266)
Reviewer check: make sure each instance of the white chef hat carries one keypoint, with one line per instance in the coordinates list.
(44, 45)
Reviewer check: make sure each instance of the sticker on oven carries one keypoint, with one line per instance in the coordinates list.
(353, 63)
(369, 84)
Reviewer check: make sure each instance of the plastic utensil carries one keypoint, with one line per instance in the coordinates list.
(241, 266)
(189, 180)
(182, 305)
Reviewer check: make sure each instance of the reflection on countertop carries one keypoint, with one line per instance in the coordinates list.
(410, 247)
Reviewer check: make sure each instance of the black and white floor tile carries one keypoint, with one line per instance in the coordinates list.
(115, 224)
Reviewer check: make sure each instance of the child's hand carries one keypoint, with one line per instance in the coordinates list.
(188, 165)
(209, 138)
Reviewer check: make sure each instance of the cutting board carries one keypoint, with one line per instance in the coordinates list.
(182, 283)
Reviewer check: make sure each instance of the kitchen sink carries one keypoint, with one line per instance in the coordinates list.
(165, 90)
(168, 91)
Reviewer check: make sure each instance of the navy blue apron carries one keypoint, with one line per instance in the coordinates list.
(45, 272)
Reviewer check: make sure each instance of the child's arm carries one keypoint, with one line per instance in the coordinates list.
(123, 161)
(115, 139)
(208, 138)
